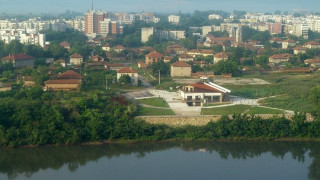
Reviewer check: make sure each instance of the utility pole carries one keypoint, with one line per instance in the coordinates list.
(106, 82)
(159, 76)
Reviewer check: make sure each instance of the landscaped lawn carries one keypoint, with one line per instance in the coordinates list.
(254, 91)
(157, 102)
(236, 109)
(146, 111)
(215, 104)
(263, 110)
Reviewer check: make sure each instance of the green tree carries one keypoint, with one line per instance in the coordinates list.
(125, 79)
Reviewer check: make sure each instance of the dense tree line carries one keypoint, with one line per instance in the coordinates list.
(34, 117)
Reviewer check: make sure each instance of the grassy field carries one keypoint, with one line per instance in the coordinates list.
(146, 111)
(254, 91)
(238, 109)
(293, 89)
(157, 102)
(215, 104)
(262, 110)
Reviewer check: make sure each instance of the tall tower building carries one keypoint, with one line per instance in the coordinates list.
(92, 21)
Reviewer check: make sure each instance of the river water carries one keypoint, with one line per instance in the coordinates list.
(175, 160)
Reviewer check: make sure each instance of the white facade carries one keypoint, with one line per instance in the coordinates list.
(174, 19)
(146, 33)
(25, 36)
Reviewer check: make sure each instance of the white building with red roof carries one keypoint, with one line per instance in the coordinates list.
(76, 59)
(311, 45)
(153, 57)
(197, 94)
(65, 44)
(180, 69)
(130, 72)
(67, 81)
(19, 60)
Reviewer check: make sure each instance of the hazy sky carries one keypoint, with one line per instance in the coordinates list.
(58, 6)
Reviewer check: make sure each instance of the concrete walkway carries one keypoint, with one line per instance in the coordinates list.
(179, 107)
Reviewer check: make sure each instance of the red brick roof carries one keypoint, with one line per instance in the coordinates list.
(119, 47)
(69, 75)
(299, 48)
(154, 54)
(106, 45)
(311, 43)
(63, 81)
(184, 56)
(180, 64)
(17, 57)
(200, 87)
(64, 44)
(126, 70)
(115, 65)
(76, 56)
(221, 55)
(280, 56)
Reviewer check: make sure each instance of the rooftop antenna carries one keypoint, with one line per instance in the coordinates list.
(92, 6)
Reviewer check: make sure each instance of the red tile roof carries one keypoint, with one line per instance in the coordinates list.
(63, 81)
(221, 55)
(119, 47)
(154, 54)
(76, 56)
(115, 65)
(200, 87)
(17, 57)
(311, 43)
(64, 44)
(180, 64)
(69, 75)
(106, 45)
(126, 70)
(280, 56)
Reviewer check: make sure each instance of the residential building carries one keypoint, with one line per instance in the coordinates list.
(76, 59)
(153, 57)
(197, 94)
(311, 45)
(174, 19)
(288, 43)
(214, 16)
(19, 60)
(220, 57)
(106, 47)
(65, 44)
(180, 69)
(185, 57)
(312, 62)
(278, 59)
(146, 33)
(299, 50)
(67, 81)
(130, 72)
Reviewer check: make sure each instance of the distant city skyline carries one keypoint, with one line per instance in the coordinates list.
(159, 6)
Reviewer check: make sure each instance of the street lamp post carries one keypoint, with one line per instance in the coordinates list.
(159, 77)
